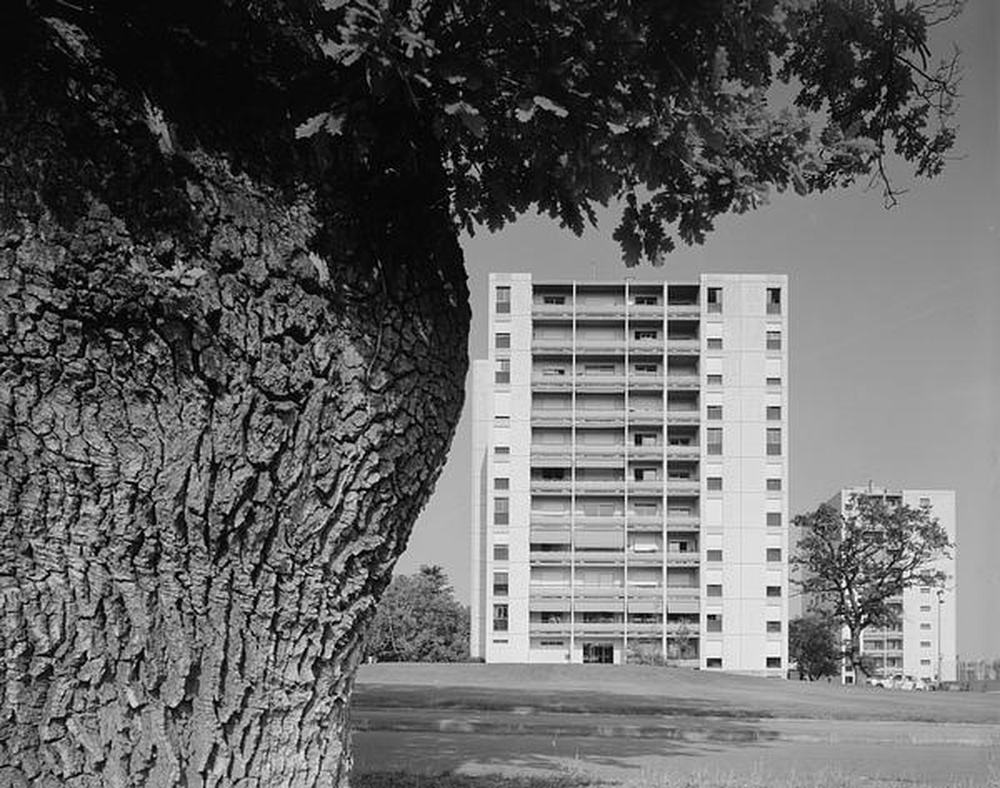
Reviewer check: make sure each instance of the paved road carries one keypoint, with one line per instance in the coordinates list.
(652, 761)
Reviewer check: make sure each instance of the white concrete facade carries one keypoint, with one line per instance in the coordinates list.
(925, 643)
(630, 473)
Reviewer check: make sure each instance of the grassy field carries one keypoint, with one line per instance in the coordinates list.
(634, 689)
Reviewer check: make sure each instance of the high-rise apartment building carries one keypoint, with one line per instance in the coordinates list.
(923, 644)
(630, 473)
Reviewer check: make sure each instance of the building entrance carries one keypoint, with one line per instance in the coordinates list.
(602, 653)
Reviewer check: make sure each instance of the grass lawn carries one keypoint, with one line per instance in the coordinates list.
(636, 689)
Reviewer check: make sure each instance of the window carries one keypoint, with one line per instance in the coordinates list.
(773, 441)
(925, 626)
(503, 301)
(713, 622)
(501, 451)
(713, 438)
(501, 552)
(925, 644)
(774, 626)
(501, 483)
(502, 341)
(714, 483)
(774, 340)
(925, 503)
(925, 662)
(501, 420)
(713, 662)
(774, 413)
(646, 369)
(500, 584)
(715, 343)
(774, 485)
(713, 589)
(501, 511)
(714, 412)
(503, 371)
(774, 300)
(925, 608)
(715, 299)
(774, 554)
(553, 372)
(554, 300)
(774, 381)
(646, 439)
(714, 380)
(773, 662)
(713, 555)
(645, 333)
(774, 591)
(500, 618)
(774, 519)
(925, 589)
(646, 300)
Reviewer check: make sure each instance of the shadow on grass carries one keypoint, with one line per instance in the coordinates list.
(433, 753)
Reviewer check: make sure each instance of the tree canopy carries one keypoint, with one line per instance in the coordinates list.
(681, 111)
(853, 567)
(813, 646)
(419, 620)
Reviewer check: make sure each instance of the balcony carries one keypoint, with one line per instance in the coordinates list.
(552, 310)
(683, 593)
(683, 346)
(585, 382)
(679, 486)
(645, 487)
(549, 628)
(602, 593)
(604, 346)
(600, 418)
(552, 344)
(549, 591)
(645, 523)
(684, 382)
(546, 452)
(606, 520)
(679, 628)
(610, 556)
(679, 559)
(552, 486)
(601, 486)
(654, 311)
(683, 311)
(683, 451)
(645, 416)
(652, 347)
(542, 382)
(684, 416)
(552, 417)
(599, 451)
(549, 557)
(600, 310)
(654, 452)
(645, 382)
(677, 522)
(644, 558)
(610, 628)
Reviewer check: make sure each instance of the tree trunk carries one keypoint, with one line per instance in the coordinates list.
(222, 406)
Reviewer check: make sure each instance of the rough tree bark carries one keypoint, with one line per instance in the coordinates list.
(223, 403)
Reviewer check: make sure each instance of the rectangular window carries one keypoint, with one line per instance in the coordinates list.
(714, 483)
(503, 301)
(774, 485)
(715, 343)
(774, 413)
(713, 662)
(925, 626)
(714, 380)
(925, 644)
(714, 412)
(645, 333)
(502, 341)
(646, 300)
(774, 591)
(774, 340)
(501, 511)
(713, 589)
(713, 555)
(925, 662)
(502, 371)
(713, 622)
(715, 299)
(554, 300)
(773, 662)
(774, 626)
(774, 382)
(501, 451)
(501, 552)
(500, 618)
(646, 369)
(501, 584)
(773, 441)
(501, 483)
(774, 554)
(713, 439)
(925, 502)
(501, 420)
(774, 519)
(925, 608)
(774, 300)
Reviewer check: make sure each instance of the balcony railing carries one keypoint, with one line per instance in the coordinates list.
(683, 451)
(683, 559)
(683, 592)
(678, 486)
(683, 310)
(553, 344)
(614, 310)
(552, 310)
(552, 485)
(683, 346)
(645, 416)
(649, 346)
(683, 381)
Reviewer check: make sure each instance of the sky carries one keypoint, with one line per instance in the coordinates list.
(894, 335)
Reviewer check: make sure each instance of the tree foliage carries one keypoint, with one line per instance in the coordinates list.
(852, 566)
(419, 620)
(680, 111)
(813, 646)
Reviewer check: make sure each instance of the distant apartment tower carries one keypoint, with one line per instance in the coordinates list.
(924, 642)
(630, 473)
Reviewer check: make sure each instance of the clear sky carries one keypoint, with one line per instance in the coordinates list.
(894, 335)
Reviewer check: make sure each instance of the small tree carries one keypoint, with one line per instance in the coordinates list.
(852, 565)
(813, 646)
(419, 620)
